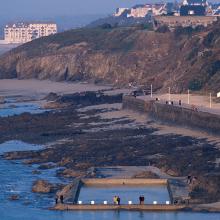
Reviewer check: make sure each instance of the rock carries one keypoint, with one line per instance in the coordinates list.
(47, 166)
(14, 197)
(70, 173)
(172, 172)
(146, 174)
(42, 186)
(54, 105)
(51, 96)
(36, 172)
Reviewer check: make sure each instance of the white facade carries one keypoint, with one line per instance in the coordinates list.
(142, 11)
(25, 32)
(120, 11)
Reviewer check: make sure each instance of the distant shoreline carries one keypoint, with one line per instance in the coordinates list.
(6, 47)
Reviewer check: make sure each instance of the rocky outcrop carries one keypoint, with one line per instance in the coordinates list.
(14, 197)
(42, 186)
(182, 60)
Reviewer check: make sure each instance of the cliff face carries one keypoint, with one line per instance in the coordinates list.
(122, 55)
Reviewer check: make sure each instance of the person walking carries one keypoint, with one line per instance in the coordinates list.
(115, 200)
(118, 200)
(56, 200)
(141, 200)
(61, 199)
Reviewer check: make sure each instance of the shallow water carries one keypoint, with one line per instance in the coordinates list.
(19, 108)
(17, 178)
(126, 193)
(11, 107)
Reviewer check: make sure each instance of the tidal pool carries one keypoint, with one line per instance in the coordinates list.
(17, 179)
(126, 193)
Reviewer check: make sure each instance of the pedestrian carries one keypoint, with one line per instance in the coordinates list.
(118, 200)
(115, 200)
(61, 199)
(141, 200)
(180, 102)
(56, 199)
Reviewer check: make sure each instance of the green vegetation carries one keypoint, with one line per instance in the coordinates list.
(195, 85)
(214, 68)
(183, 31)
(193, 53)
(163, 29)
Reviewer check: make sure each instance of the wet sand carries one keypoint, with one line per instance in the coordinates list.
(39, 89)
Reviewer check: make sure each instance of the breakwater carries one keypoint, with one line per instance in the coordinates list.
(173, 114)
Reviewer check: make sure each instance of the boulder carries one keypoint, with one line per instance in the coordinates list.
(14, 197)
(42, 186)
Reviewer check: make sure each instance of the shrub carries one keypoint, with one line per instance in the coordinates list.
(163, 29)
(183, 31)
(106, 26)
(208, 40)
(195, 85)
(192, 53)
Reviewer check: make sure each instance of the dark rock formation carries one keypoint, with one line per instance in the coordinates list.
(14, 197)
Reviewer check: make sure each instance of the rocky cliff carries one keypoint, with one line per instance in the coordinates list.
(183, 59)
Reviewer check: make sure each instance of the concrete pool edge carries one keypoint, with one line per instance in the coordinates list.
(70, 203)
(66, 207)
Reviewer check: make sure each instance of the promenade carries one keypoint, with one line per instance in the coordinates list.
(201, 103)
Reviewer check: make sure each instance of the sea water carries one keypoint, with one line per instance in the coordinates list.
(12, 107)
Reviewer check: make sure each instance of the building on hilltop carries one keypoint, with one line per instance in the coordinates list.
(141, 11)
(193, 8)
(120, 11)
(19, 33)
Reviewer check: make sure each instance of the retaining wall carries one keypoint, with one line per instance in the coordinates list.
(132, 182)
(174, 114)
(120, 207)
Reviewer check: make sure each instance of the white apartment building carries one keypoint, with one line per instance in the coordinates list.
(24, 32)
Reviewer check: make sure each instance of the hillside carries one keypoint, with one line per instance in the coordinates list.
(182, 59)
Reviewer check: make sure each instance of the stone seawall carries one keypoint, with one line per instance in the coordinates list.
(174, 114)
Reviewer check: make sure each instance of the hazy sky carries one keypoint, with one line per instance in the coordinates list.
(13, 8)
(63, 7)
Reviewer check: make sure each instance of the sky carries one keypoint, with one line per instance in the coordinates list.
(63, 7)
(48, 8)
